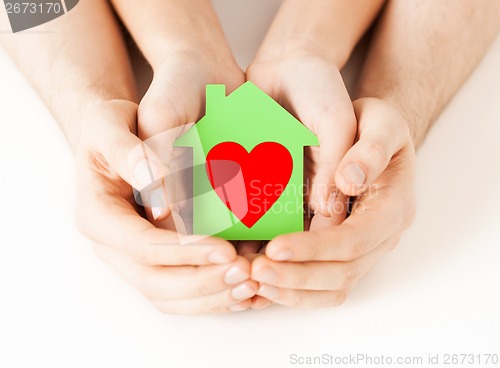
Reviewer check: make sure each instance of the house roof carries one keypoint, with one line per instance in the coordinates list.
(247, 116)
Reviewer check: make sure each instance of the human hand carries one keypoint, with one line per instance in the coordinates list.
(180, 274)
(177, 97)
(310, 86)
(319, 267)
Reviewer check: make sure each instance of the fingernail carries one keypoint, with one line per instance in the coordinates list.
(242, 291)
(237, 308)
(218, 258)
(156, 204)
(266, 275)
(235, 275)
(282, 255)
(156, 211)
(143, 174)
(268, 291)
(331, 203)
(354, 174)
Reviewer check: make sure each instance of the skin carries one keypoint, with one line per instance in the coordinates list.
(403, 88)
(185, 57)
(96, 105)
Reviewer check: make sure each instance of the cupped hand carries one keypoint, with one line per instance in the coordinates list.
(179, 273)
(311, 88)
(318, 268)
(175, 98)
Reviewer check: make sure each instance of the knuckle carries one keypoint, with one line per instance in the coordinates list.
(376, 152)
(301, 280)
(393, 244)
(293, 300)
(140, 253)
(348, 275)
(399, 125)
(212, 304)
(140, 249)
(406, 210)
(147, 286)
(355, 246)
(205, 288)
(314, 249)
(340, 297)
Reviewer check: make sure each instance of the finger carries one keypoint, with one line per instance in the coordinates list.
(112, 220)
(346, 242)
(182, 282)
(324, 106)
(319, 222)
(378, 215)
(318, 275)
(327, 110)
(223, 302)
(125, 153)
(116, 148)
(260, 303)
(303, 298)
(382, 133)
(241, 306)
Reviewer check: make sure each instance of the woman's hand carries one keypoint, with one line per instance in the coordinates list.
(180, 274)
(186, 47)
(310, 86)
(319, 267)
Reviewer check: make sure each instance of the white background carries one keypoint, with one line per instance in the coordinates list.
(438, 292)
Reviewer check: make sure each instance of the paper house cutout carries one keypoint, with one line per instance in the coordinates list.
(247, 120)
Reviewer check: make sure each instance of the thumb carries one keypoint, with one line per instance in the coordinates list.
(114, 144)
(382, 132)
(335, 134)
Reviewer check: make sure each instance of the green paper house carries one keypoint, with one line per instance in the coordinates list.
(252, 154)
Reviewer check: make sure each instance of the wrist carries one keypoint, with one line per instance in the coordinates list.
(412, 118)
(299, 46)
(198, 56)
(163, 28)
(327, 28)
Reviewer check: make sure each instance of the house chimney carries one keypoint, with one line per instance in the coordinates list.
(216, 93)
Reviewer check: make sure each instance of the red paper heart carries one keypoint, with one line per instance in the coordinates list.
(249, 183)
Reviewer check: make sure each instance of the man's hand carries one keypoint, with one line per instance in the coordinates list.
(298, 65)
(310, 86)
(180, 274)
(318, 268)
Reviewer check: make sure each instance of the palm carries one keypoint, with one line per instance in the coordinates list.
(312, 89)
